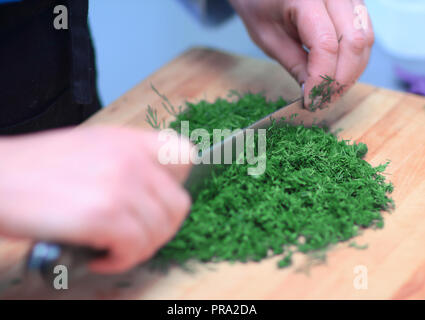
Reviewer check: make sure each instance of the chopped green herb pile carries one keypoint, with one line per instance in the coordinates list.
(225, 114)
(316, 191)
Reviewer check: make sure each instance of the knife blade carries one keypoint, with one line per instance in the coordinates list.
(43, 256)
(199, 173)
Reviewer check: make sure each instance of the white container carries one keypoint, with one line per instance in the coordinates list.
(400, 27)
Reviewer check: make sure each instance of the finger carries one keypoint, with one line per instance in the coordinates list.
(341, 90)
(173, 197)
(318, 33)
(115, 262)
(352, 56)
(171, 152)
(366, 23)
(144, 233)
(112, 265)
(280, 46)
(159, 208)
(127, 240)
(151, 215)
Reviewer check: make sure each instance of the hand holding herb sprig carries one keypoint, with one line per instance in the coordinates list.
(311, 39)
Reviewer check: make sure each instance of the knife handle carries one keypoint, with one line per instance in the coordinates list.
(44, 256)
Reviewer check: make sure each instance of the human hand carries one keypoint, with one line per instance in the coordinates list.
(337, 33)
(98, 187)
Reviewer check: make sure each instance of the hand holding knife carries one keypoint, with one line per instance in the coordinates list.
(43, 256)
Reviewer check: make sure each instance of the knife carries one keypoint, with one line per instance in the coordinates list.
(44, 256)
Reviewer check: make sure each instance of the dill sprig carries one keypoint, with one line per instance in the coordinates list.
(152, 118)
(168, 106)
(357, 246)
(152, 114)
(321, 94)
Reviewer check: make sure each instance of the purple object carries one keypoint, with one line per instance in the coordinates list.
(415, 82)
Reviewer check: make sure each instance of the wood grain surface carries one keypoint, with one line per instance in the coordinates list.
(392, 124)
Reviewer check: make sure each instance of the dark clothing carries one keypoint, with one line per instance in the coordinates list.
(47, 76)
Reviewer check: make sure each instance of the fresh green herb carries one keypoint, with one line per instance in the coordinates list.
(220, 114)
(357, 246)
(314, 258)
(315, 188)
(286, 261)
(152, 115)
(152, 118)
(168, 106)
(321, 94)
(227, 114)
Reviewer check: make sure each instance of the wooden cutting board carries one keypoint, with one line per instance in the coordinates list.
(392, 124)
